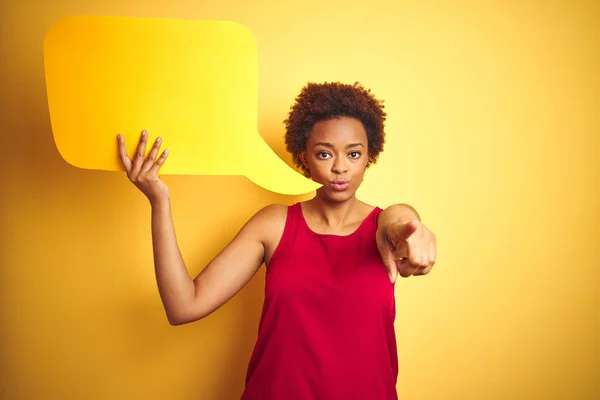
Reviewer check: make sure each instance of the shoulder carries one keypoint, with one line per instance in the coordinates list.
(268, 225)
(269, 220)
(368, 210)
(271, 213)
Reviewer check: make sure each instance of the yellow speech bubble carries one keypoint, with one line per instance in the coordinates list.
(194, 83)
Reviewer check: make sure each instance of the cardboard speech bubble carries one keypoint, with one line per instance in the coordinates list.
(194, 83)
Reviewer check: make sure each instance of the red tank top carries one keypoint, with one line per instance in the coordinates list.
(327, 325)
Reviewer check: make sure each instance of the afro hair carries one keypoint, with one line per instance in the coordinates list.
(324, 101)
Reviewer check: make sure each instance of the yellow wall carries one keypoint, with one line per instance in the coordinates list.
(493, 135)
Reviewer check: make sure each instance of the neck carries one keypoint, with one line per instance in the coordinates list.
(333, 214)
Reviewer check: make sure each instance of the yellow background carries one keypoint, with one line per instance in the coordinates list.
(192, 82)
(493, 135)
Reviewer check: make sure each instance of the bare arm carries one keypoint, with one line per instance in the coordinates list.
(227, 273)
(186, 300)
(174, 283)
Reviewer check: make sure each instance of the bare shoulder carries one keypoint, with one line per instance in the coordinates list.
(270, 222)
(269, 215)
(366, 209)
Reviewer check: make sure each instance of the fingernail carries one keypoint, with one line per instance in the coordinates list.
(159, 139)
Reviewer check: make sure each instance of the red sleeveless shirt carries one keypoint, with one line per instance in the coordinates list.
(327, 325)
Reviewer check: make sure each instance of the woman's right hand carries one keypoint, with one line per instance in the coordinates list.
(143, 172)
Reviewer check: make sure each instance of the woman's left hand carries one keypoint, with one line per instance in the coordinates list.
(408, 248)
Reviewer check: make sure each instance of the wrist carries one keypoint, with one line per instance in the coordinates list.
(160, 201)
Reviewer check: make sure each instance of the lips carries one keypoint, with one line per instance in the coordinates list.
(340, 186)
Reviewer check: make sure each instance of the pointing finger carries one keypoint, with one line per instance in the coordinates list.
(402, 232)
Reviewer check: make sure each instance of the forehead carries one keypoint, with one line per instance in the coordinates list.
(338, 131)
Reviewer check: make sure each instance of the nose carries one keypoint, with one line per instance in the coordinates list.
(339, 166)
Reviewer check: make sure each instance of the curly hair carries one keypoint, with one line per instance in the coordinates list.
(318, 102)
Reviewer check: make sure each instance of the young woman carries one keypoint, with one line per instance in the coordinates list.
(327, 326)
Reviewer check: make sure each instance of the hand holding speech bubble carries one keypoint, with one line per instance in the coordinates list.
(194, 83)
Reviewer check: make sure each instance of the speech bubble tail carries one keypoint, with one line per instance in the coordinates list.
(289, 182)
(269, 171)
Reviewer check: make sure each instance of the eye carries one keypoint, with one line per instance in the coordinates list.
(354, 154)
(323, 155)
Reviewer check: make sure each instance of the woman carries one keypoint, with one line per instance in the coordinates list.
(327, 326)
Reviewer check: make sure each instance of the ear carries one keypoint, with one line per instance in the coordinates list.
(302, 156)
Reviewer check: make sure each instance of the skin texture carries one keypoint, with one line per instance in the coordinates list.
(336, 150)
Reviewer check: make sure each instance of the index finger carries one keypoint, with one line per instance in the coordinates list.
(140, 153)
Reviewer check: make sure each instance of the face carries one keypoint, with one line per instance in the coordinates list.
(337, 155)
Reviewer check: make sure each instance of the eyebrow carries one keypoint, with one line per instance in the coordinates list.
(327, 144)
